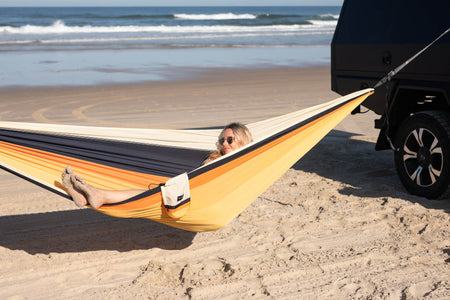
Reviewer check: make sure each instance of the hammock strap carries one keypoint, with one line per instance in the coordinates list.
(392, 73)
(388, 77)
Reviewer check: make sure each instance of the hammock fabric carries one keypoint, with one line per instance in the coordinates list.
(124, 158)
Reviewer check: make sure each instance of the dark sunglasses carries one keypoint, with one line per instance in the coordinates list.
(229, 140)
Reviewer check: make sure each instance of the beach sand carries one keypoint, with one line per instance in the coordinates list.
(337, 225)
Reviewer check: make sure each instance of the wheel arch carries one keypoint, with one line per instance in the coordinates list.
(406, 99)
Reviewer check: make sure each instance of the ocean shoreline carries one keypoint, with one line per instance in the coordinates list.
(93, 67)
(176, 74)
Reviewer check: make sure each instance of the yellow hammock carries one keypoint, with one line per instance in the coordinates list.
(121, 158)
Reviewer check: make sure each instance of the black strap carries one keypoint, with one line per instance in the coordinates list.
(388, 78)
(392, 73)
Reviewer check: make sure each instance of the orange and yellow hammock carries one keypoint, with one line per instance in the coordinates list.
(124, 158)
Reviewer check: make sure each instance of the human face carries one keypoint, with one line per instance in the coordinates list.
(226, 147)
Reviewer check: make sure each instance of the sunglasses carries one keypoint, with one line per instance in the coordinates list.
(229, 139)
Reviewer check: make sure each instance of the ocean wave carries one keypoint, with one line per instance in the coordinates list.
(277, 16)
(322, 23)
(223, 16)
(58, 27)
(131, 17)
(328, 16)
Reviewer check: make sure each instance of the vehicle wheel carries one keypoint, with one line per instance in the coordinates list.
(423, 157)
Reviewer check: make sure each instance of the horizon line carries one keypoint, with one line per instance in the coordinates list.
(17, 6)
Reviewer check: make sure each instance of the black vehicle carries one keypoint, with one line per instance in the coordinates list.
(372, 38)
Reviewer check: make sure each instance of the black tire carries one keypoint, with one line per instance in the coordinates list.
(423, 157)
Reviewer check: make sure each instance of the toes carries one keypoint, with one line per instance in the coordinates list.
(68, 170)
(79, 183)
(78, 179)
(68, 183)
(83, 192)
(65, 178)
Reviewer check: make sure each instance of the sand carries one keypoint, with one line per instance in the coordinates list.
(337, 225)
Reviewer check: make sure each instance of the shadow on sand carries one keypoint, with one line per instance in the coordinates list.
(83, 230)
(342, 157)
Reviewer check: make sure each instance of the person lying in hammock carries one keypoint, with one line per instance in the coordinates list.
(232, 137)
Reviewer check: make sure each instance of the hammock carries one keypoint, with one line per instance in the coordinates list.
(196, 197)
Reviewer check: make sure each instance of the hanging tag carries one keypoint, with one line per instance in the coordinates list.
(176, 196)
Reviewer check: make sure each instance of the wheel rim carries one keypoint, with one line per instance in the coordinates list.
(423, 158)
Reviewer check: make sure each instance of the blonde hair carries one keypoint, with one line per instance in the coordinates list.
(242, 135)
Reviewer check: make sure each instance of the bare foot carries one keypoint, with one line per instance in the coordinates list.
(77, 197)
(93, 195)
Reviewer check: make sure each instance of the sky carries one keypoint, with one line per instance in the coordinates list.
(6, 3)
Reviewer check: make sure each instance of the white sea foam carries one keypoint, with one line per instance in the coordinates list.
(58, 27)
(224, 16)
(336, 17)
(322, 23)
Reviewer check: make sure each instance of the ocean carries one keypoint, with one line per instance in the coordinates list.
(54, 46)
